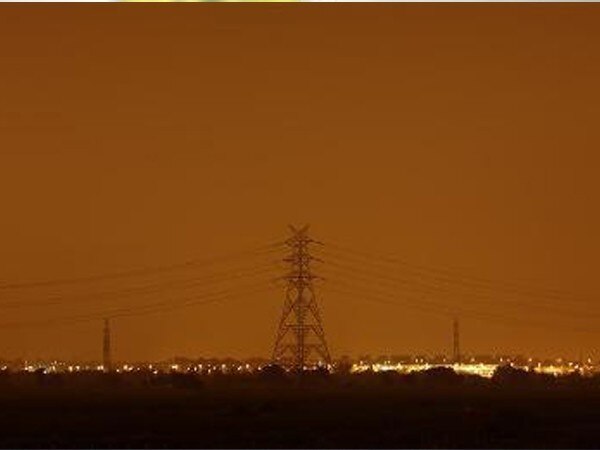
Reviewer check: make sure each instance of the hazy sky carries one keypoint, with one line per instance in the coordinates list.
(461, 136)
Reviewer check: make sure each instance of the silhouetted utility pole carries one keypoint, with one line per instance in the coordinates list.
(456, 348)
(106, 361)
(300, 336)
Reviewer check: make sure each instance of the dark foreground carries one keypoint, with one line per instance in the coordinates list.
(380, 411)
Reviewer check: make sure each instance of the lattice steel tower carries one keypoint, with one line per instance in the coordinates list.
(106, 360)
(456, 342)
(300, 340)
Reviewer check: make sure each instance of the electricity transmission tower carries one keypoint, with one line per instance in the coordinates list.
(300, 340)
(106, 361)
(456, 343)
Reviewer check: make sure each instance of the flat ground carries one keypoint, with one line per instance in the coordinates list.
(378, 412)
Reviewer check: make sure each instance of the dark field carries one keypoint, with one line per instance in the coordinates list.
(373, 410)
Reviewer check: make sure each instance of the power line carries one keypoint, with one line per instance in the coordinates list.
(154, 288)
(142, 271)
(161, 306)
(426, 303)
(352, 292)
(406, 285)
(467, 282)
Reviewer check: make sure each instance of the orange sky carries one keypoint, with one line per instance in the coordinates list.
(460, 136)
